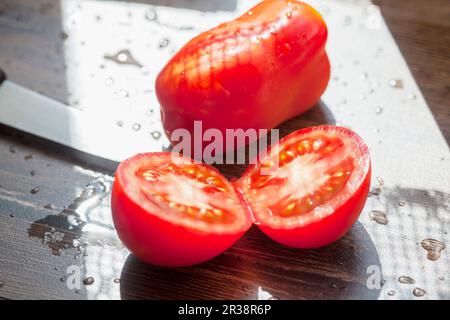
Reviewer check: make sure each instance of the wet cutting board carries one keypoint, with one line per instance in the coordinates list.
(55, 223)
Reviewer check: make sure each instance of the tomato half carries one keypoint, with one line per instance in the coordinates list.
(169, 211)
(316, 190)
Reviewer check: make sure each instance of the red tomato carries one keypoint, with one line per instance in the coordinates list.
(316, 192)
(306, 192)
(169, 211)
(257, 71)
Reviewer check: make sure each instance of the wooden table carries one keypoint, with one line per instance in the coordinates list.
(47, 192)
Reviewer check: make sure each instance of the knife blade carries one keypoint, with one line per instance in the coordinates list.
(90, 132)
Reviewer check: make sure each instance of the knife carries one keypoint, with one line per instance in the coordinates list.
(89, 132)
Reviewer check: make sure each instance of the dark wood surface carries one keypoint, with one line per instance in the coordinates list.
(41, 187)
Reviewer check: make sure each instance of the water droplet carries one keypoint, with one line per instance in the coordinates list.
(88, 281)
(441, 278)
(391, 293)
(289, 14)
(396, 83)
(109, 81)
(163, 43)
(122, 93)
(363, 76)
(76, 243)
(145, 71)
(250, 13)
(379, 217)
(32, 173)
(380, 181)
(378, 110)
(12, 215)
(362, 96)
(406, 280)
(151, 15)
(123, 57)
(325, 10)
(29, 156)
(418, 292)
(347, 21)
(116, 280)
(63, 35)
(156, 135)
(119, 123)
(375, 192)
(401, 203)
(412, 96)
(433, 247)
(12, 149)
(49, 206)
(136, 127)
(35, 190)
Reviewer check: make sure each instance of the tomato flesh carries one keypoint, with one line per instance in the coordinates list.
(191, 191)
(169, 211)
(314, 187)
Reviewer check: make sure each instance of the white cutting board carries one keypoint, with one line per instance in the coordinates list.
(371, 91)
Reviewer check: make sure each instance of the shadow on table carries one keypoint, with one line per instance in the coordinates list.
(258, 268)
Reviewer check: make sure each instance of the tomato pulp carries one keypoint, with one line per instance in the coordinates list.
(305, 192)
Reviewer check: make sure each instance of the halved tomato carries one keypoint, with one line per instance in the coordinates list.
(305, 192)
(169, 211)
(310, 187)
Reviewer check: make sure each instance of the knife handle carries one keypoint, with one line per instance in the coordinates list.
(2, 76)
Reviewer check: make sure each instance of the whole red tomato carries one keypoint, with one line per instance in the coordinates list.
(257, 71)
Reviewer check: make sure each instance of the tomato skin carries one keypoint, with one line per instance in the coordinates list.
(159, 242)
(329, 229)
(253, 72)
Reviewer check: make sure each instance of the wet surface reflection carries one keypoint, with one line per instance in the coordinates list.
(245, 271)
